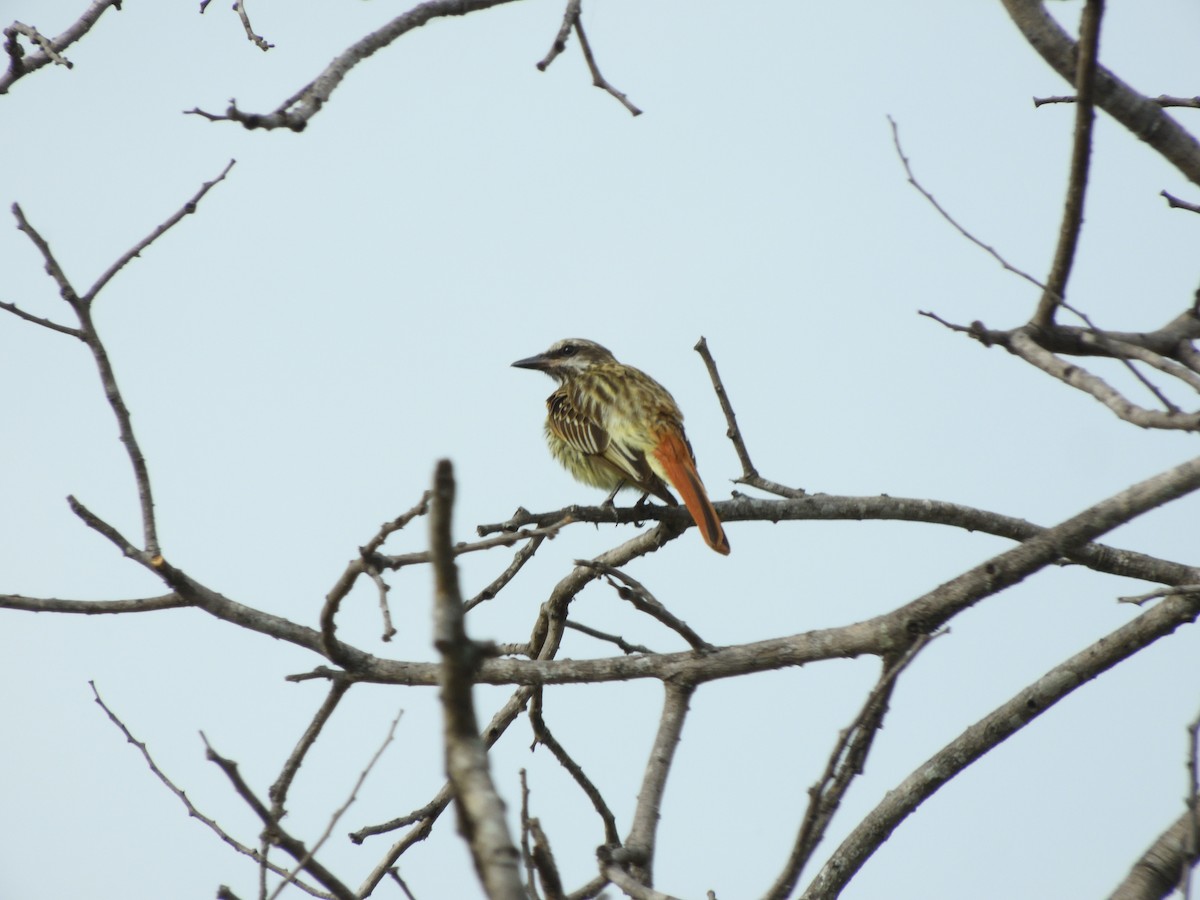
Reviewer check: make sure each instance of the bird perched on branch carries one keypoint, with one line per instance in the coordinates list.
(613, 426)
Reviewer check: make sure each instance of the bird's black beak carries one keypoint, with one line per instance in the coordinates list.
(538, 363)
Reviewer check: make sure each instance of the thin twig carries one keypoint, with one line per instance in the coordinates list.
(845, 763)
(597, 79)
(136, 250)
(387, 529)
(187, 803)
(53, 269)
(1175, 203)
(991, 251)
(570, 17)
(1139, 599)
(38, 320)
(296, 111)
(620, 642)
(279, 790)
(258, 40)
(526, 852)
(82, 306)
(733, 432)
(542, 735)
(341, 810)
(636, 593)
(278, 835)
(503, 540)
(522, 556)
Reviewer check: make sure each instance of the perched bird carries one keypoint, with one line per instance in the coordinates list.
(613, 426)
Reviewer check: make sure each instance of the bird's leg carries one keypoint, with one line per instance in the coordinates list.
(612, 495)
(610, 502)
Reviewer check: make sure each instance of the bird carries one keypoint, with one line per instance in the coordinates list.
(613, 426)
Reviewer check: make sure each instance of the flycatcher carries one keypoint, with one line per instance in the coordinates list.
(613, 426)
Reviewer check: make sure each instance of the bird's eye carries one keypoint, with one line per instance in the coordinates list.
(567, 350)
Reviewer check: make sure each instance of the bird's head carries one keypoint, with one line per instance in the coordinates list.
(568, 357)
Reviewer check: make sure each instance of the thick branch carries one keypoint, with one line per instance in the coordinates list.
(1140, 114)
(1157, 873)
(1081, 152)
(639, 843)
(480, 809)
(990, 731)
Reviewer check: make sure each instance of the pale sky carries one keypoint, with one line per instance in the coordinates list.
(342, 311)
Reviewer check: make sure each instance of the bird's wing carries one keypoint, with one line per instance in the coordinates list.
(579, 423)
(573, 424)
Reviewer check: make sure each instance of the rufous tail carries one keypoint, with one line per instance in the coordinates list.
(676, 459)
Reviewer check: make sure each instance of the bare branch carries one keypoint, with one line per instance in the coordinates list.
(258, 40)
(526, 852)
(38, 320)
(53, 269)
(278, 835)
(88, 334)
(821, 507)
(733, 433)
(504, 540)
(279, 790)
(1162, 100)
(543, 858)
(637, 594)
(1024, 346)
(92, 607)
(114, 536)
(570, 16)
(1142, 116)
(990, 731)
(1139, 599)
(542, 735)
(639, 844)
(522, 556)
(187, 803)
(368, 562)
(1081, 152)
(387, 529)
(1175, 203)
(13, 48)
(1165, 863)
(136, 250)
(20, 65)
(613, 870)
(341, 810)
(991, 251)
(621, 643)
(845, 763)
(295, 112)
(480, 810)
(597, 79)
